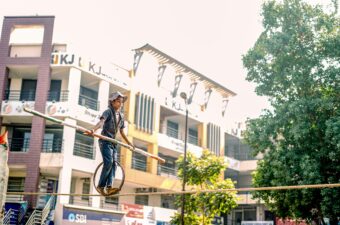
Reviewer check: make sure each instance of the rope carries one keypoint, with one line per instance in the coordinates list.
(309, 186)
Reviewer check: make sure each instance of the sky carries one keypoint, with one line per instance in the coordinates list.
(208, 36)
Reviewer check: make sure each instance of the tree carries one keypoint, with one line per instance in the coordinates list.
(295, 63)
(203, 173)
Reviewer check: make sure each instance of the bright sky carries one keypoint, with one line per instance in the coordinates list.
(208, 36)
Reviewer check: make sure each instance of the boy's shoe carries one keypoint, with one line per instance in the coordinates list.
(112, 190)
(101, 190)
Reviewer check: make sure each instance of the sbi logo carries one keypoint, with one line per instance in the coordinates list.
(77, 218)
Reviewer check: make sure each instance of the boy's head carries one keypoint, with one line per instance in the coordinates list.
(117, 99)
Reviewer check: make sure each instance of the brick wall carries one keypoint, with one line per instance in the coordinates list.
(31, 158)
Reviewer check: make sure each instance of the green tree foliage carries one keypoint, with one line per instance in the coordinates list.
(295, 62)
(203, 173)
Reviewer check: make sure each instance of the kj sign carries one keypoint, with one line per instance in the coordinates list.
(69, 59)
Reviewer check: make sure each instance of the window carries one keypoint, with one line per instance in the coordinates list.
(193, 136)
(88, 98)
(83, 146)
(168, 201)
(28, 89)
(139, 161)
(16, 184)
(142, 200)
(86, 189)
(55, 90)
(172, 129)
(144, 111)
(111, 200)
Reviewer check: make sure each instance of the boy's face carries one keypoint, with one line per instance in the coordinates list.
(117, 103)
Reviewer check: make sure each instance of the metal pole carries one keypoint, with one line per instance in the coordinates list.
(184, 164)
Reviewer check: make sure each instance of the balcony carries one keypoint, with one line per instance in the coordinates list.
(19, 95)
(193, 139)
(138, 164)
(166, 171)
(58, 96)
(52, 145)
(83, 150)
(176, 144)
(19, 144)
(88, 102)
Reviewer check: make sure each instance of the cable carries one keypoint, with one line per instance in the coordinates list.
(308, 186)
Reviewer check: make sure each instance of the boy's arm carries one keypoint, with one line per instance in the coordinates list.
(125, 138)
(96, 127)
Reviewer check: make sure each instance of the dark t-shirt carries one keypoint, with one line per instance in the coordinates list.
(111, 125)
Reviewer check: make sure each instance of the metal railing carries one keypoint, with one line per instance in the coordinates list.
(138, 164)
(35, 218)
(193, 139)
(83, 150)
(49, 205)
(57, 96)
(8, 216)
(19, 144)
(171, 132)
(77, 200)
(20, 95)
(52, 145)
(88, 102)
(23, 144)
(165, 170)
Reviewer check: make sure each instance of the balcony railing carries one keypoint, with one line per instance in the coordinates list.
(172, 132)
(193, 139)
(19, 144)
(20, 95)
(165, 170)
(88, 102)
(138, 164)
(52, 145)
(83, 150)
(58, 96)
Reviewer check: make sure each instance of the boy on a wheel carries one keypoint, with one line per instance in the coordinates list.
(111, 121)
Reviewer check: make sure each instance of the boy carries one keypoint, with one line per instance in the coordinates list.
(111, 121)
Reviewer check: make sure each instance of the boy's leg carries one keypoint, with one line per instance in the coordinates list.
(111, 190)
(107, 159)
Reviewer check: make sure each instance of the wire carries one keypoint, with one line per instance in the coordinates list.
(277, 188)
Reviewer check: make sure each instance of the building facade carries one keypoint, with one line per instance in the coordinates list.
(45, 157)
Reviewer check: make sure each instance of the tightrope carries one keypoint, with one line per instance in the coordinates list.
(276, 188)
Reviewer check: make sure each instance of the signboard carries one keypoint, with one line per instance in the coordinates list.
(73, 216)
(69, 59)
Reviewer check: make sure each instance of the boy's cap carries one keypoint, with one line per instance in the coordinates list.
(117, 94)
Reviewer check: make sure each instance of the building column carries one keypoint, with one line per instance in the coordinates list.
(129, 109)
(73, 86)
(152, 164)
(202, 135)
(65, 174)
(103, 95)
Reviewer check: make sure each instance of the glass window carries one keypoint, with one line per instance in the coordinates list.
(172, 129)
(142, 199)
(28, 89)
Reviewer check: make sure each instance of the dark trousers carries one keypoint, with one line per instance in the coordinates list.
(109, 154)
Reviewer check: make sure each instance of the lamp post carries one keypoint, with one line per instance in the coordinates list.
(184, 96)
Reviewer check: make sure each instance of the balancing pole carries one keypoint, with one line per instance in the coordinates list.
(84, 130)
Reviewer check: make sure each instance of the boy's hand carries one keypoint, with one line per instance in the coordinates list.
(89, 132)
